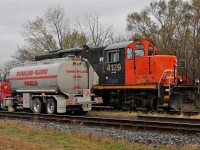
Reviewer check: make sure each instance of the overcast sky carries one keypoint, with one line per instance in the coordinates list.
(15, 13)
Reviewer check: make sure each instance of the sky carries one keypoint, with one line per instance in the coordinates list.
(16, 13)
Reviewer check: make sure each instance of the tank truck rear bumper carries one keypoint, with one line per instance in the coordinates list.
(84, 102)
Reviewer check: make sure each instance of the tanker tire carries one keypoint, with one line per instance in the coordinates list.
(51, 106)
(1, 105)
(37, 106)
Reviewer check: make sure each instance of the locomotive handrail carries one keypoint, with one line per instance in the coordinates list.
(167, 77)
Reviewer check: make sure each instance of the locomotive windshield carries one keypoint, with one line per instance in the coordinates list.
(139, 46)
(139, 49)
(139, 52)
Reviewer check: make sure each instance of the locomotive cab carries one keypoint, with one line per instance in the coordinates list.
(128, 63)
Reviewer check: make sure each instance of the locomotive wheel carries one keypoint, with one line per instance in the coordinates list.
(51, 106)
(37, 105)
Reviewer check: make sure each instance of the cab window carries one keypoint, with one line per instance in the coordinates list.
(139, 52)
(113, 56)
(139, 46)
(129, 53)
(150, 50)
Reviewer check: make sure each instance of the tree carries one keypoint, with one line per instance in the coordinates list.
(97, 33)
(50, 32)
(55, 17)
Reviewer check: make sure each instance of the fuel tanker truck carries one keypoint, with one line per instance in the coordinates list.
(51, 86)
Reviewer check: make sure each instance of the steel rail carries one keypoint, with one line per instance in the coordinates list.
(169, 119)
(130, 124)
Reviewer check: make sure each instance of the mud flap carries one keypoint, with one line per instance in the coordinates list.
(86, 107)
(61, 103)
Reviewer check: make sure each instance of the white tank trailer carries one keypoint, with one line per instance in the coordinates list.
(58, 85)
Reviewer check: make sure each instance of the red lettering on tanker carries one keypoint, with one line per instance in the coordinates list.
(76, 71)
(31, 83)
(32, 72)
(78, 77)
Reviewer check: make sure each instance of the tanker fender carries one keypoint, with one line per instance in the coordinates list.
(60, 101)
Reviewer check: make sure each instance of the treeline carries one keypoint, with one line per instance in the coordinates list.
(174, 26)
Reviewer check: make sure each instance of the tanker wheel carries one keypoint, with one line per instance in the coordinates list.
(37, 105)
(1, 105)
(51, 106)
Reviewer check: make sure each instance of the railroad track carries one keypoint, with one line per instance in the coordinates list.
(170, 119)
(140, 123)
(160, 111)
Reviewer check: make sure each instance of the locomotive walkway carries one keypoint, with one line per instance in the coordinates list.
(156, 124)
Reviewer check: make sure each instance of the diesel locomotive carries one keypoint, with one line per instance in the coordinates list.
(133, 76)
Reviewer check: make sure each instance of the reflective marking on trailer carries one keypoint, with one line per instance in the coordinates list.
(69, 101)
(86, 93)
(98, 98)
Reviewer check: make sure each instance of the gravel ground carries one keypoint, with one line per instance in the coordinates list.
(144, 137)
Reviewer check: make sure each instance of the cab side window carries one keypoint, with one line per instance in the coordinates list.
(113, 56)
(150, 50)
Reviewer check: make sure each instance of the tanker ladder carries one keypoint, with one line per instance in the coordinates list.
(78, 78)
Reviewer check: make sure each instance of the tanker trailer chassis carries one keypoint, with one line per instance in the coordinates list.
(56, 86)
(51, 103)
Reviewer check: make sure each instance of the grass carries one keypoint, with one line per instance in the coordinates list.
(121, 114)
(16, 135)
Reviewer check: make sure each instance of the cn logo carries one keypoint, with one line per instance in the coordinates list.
(86, 93)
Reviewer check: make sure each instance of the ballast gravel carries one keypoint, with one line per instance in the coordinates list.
(144, 137)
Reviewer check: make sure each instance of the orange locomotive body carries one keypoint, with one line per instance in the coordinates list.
(143, 66)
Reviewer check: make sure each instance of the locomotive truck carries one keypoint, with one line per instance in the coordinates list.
(57, 86)
(133, 76)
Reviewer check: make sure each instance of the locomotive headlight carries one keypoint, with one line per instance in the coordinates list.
(180, 80)
(196, 81)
